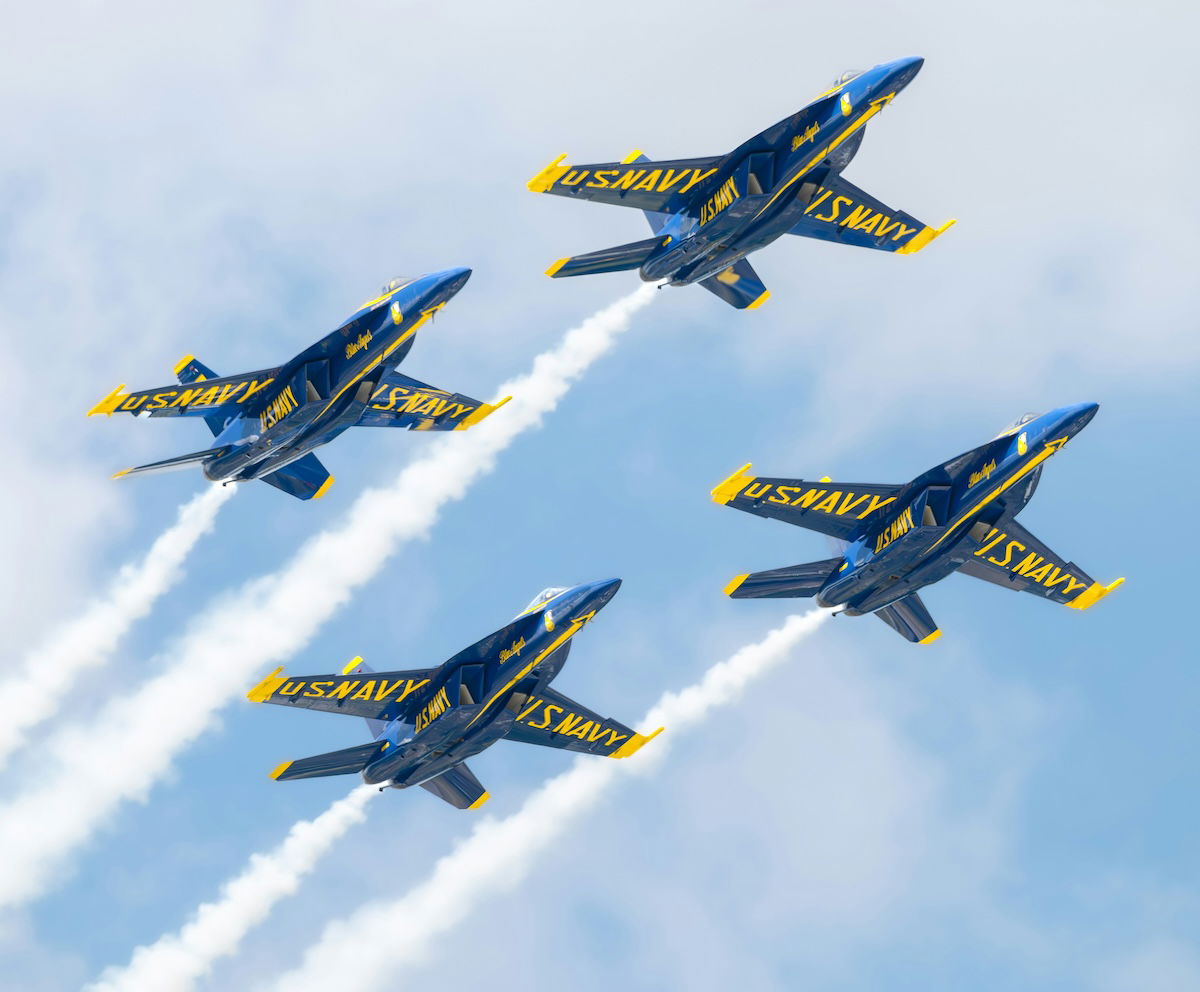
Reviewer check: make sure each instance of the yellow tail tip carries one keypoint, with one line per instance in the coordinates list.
(734, 583)
(266, 688)
(352, 664)
(553, 270)
(324, 488)
(182, 363)
(108, 405)
(551, 174)
(1093, 594)
(635, 744)
(766, 295)
(728, 489)
(480, 801)
(930, 638)
(280, 769)
(632, 157)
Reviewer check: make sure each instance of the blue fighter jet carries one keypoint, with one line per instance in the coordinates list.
(958, 517)
(425, 723)
(708, 214)
(267, 423)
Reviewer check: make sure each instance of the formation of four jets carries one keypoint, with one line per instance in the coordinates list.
(706, 215)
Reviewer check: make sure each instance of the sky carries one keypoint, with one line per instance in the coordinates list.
(1013, 806)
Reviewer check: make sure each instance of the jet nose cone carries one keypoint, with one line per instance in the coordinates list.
(902, 71)
(1081, 414)
(601, 592)
(453, 280)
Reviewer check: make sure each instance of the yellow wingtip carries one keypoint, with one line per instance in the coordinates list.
(635, 744)
(766, 295)
(352, 664)
(728, 489)
(182, 363)
(931, 638)
(484, 411)
(1093, 594)
(826, 478)
(553, 270)
(108, 405)
(280, 769)
(480, 801)
(324, 488)
(120, 475)
(631, 157)
(924, 236)
(542, 182)
(733, 584)
(266, 688)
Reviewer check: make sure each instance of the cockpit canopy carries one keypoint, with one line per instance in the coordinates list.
(846, 76)
(393, 284)
(543, 597)
(1020, 422)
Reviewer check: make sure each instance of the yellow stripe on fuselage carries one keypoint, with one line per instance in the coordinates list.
(876, 106)
(576, 626)
(1030, 465)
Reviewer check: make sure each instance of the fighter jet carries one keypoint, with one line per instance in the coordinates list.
(267, 423)
(957, 517)
(708, 214)
(425, 723)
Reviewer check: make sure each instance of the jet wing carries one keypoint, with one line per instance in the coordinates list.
(552, 720)
(834, 508)
(840, 211)
(635, 182)
(1012, 557)
(372, 695)
(399, 401)
(204, 398)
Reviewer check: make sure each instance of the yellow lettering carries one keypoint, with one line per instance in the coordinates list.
(600, 177)
(343, 690)
(529, 709)
(877, 503)
(1027, 564)
(581, 729)
(546, 717)
(817, 201)
(573, 178)
(650, 181)
(990, 542)
(829, 503)
(756, 490)
(835, 208)
(857, 216)
(367, 691)
(185, 397)
(806, 499)
(671, 178)
(567, 722)
(628, 178)
(868, 226)
(697, 178)
(902, 232)
(290, 688)
(317, 688)
(1008, 554)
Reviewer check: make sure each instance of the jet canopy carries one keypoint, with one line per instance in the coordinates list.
(393, 284)
(846, 76)
(1021, 421)
(543, 597)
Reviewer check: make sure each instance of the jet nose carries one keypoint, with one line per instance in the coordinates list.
(452, 280)
(599, 593)
(901, 72)
(1076, 418)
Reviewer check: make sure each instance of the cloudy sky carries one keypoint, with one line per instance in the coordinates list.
(1011, 807)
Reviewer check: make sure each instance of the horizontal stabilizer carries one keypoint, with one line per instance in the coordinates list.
(793, 582)
(345, 762)
(305, 478)
(459, 787)
(909, 618)
(171, 464)
(739, 286)
(618, 259)
(550, 719)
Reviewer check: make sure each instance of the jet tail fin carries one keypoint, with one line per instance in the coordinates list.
(909, 618)
(739, 286)
(618, 259)
(171, 464)
(793, 582)
(305, 478)
(345, 762)
(459, 787)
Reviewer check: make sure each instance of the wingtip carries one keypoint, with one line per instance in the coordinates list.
(632, 157)
(766, 295)
(108, 405)
(481, 413)
(282, 767)
(324, 487)
(352, 664)
(924, 236)
(1093, 594)
(728, 489)
(182, 363)
(930, 638)
(266, 688)
(732, 586)
(480, 801)
(553, 270)
(120, 475)
(635, 744)
(548, 176)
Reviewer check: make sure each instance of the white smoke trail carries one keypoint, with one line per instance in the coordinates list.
(371, 947)
(120, 753)
(35, 692)
(176, 961)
